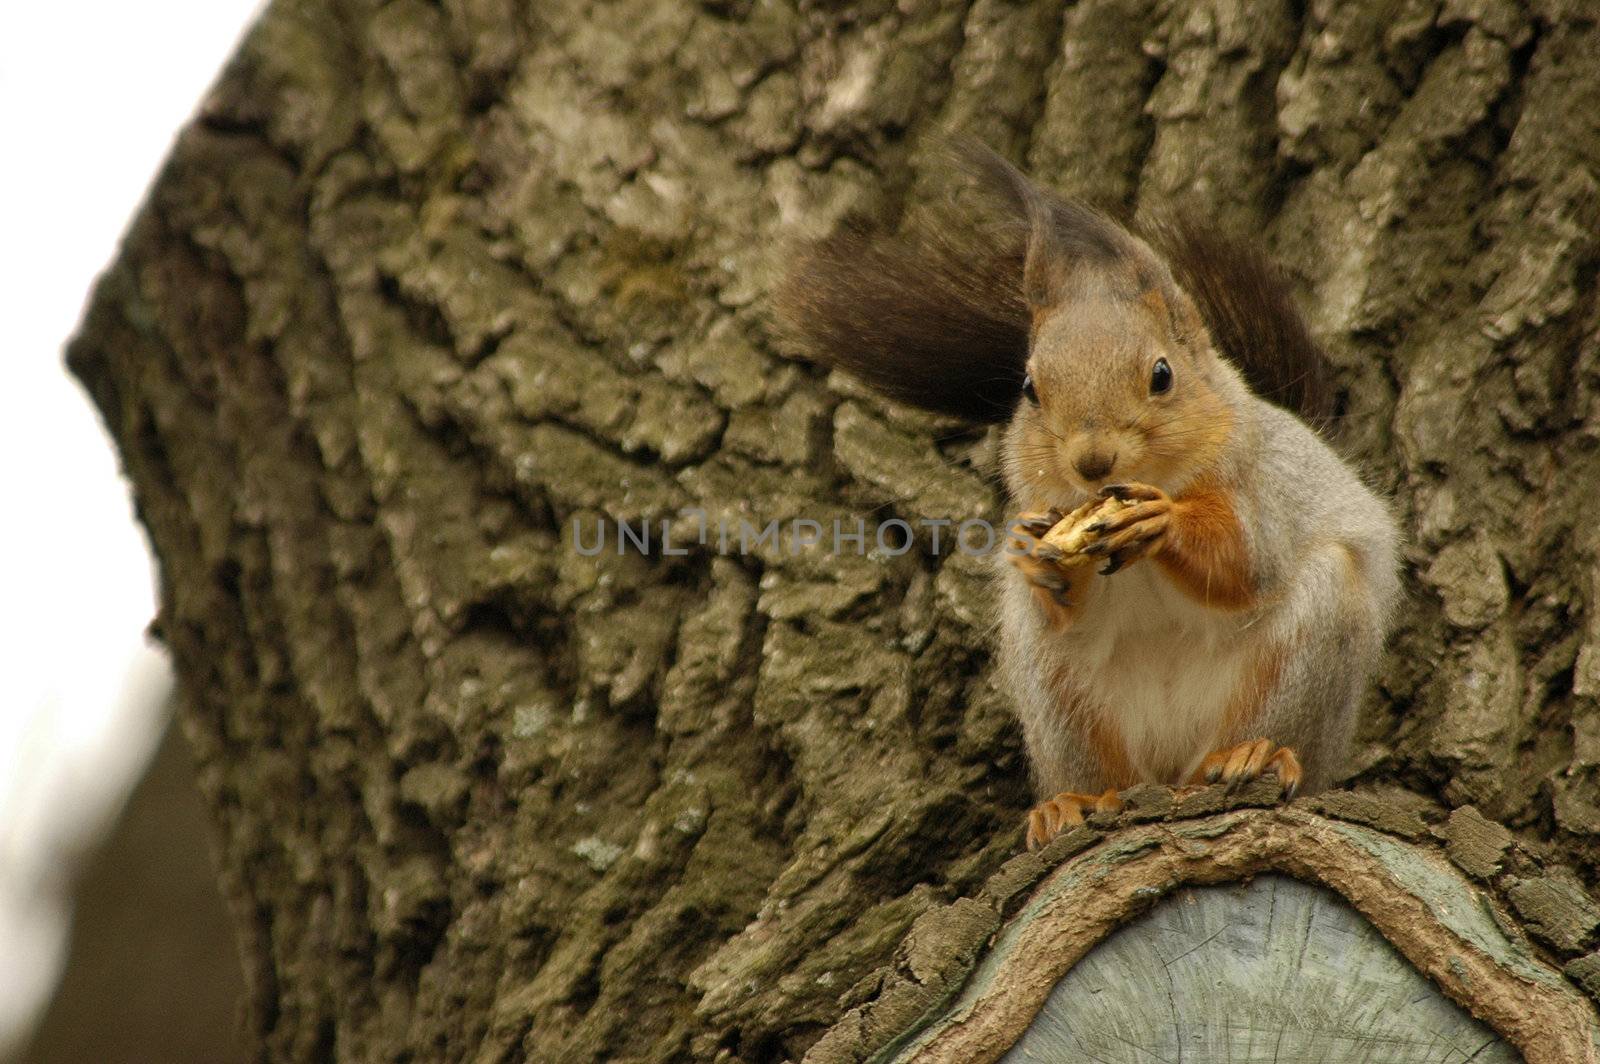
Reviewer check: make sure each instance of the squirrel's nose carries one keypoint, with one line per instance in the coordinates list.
(1095, 465)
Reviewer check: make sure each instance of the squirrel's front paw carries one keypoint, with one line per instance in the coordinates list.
(1132, 533)
(1054, 815)
(1039, 562)
(1238, 765)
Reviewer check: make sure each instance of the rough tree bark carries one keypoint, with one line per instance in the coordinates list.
(1147, 937)
(424, 283)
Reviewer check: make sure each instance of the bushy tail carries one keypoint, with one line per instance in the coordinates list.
(937, 318)
(925, 318)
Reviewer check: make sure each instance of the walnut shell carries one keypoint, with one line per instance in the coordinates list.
(1071, 534)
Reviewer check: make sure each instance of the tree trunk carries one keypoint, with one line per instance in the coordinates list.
(1057, 959)
(428, 293)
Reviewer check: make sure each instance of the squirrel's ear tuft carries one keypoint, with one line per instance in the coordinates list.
(933, 318)
(1063, 236)
(1247, 309)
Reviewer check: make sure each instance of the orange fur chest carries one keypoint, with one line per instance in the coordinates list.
(1205, 554)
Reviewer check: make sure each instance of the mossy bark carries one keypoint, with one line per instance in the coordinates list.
(424, 284)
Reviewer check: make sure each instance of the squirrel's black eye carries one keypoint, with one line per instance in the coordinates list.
(1160, 377)
(1027, 389)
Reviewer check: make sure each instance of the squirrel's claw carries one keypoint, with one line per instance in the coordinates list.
(1132, 533)
(1158, 510)
(1238, 765)
(1052, 582)
(1040, 563)
(1134, 542)
(1130, 492)
(1036, 524)
(1066, 810)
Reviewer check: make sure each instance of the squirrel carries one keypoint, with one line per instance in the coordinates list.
(1224, 622)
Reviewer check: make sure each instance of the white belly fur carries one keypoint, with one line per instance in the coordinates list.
(1162, 667)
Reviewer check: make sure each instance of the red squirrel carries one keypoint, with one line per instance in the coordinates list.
(1223, 623)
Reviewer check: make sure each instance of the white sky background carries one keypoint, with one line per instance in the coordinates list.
(91, 94)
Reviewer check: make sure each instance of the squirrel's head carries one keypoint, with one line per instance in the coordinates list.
(1122, 381)
(1101, 347)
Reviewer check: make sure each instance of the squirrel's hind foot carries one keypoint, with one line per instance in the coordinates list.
(1238, 765)
(1066, 810)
